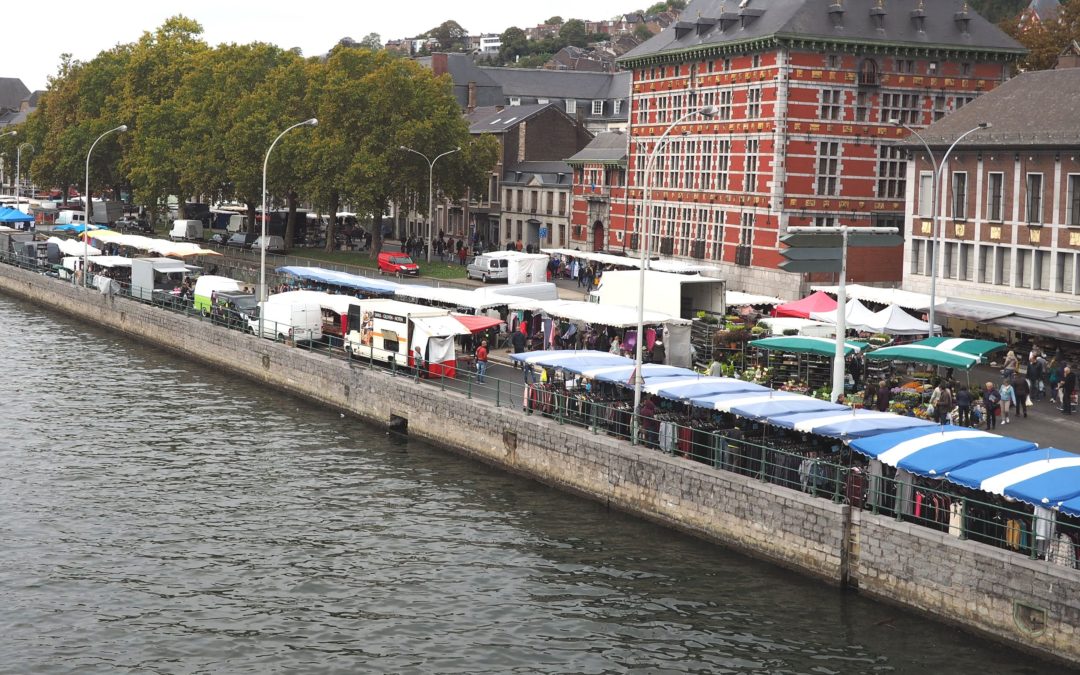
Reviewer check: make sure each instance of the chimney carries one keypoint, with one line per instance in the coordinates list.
(472, 96)
(499, 108)
(439, 63)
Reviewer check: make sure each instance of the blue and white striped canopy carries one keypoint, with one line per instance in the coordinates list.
(335, 278)
(857, 423)
(936, 451)
(573, 360)
(649, 371)
(777, 407)
(701, 387)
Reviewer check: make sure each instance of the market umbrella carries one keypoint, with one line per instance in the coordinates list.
(685, 389)
(14, 216)
(855, 424)
(962, 345)
(923, 354)
(799, 344)
(936, 451)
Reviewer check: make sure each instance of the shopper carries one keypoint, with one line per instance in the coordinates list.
(481, 361)
(992, 404)
(1010, 365)
(1068, 386)
(963, 407)
(1022, 390)
(1008, 399)
(883, 396)
(1036, 375)
(943, 404)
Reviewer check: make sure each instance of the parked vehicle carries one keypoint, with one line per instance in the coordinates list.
(186, 230)
(398, 264)
(220, 238)
(510, 266)
(242, 239)
(274, 244)
(207, 286)
(134, 224)
(297, 321)
(233, 309)
(389, 330)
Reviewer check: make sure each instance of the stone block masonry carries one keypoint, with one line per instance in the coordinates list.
(1026, 603)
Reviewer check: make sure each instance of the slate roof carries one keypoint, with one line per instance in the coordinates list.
(1044, 9)
(492, 120)
(546, 172)
(561, 84)
(1010, 109)
(608, 147)
(12, 92)
(718, 22)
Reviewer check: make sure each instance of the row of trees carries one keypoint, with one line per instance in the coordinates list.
(201, 118)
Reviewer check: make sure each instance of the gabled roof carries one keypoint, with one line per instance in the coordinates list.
(12, 92)
(607, 148)
(498, 119)
(730, 22)
(542, 173)
(1009, 108)
(561, 84)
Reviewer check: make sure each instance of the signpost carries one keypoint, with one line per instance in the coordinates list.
(824, 249)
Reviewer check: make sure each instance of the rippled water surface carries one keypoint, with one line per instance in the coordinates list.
(158, 516)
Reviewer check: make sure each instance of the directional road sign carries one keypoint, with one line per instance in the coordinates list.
(823, 251)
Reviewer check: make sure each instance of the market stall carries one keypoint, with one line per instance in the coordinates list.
(363, 286)
(856, 316)
(802, 309)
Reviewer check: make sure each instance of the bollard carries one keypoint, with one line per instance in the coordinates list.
(963, 519)
(498, 390)
(469, 393)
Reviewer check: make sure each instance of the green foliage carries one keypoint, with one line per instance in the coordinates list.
(372, 41)
(554, 21)
(999, 10)
(514, 43)
(573, 33)
(642, 32)
(450, 35)
(1046, 40)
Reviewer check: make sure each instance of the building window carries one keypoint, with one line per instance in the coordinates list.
(833, 61)
(723, 161)
(750, 184)
(965, 69)
(571, 106)
(542, 101)
(727, 64)
(995, 193)
(756, 61)
(824, 221)
(905, 66)
(1034, 198)
(939, 107)
(753, 103)
(617, 107)
(828, 168)
(1074, 201)
(892, 171)
(746, 232)
(724, 105)
(831, 104)
(718, 236)
(926, 194)
(962, 101)
(515, 100)
(862, 106)
(959, 195)
(906, 108)
(597, 108)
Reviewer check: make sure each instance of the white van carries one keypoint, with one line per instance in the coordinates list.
(274, 244)
(68, 217)
(298, 321)
(186, 230)
(487, 267)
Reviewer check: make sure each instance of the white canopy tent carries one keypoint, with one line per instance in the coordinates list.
(883, 296)
(72, 247)
(856, 315)
(740, 299)
(674, 266)
(895, 321)
(806, 327)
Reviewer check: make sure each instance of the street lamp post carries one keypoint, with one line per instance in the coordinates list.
(265, 216)
(935, 197)
(18, 174)
(643, 248)
(87, 204)
(431, 192)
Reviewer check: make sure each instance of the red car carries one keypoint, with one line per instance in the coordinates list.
(398, 264)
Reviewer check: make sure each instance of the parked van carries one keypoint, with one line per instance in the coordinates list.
(298, 321)
(207, 285)
(398, 264)
(274, 244)
(68, 217)
(390, 330)
(487, 268)
(186, 230)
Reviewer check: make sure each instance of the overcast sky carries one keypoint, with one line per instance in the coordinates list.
(85, 27)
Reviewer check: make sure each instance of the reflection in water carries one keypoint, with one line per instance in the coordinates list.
(158, 516)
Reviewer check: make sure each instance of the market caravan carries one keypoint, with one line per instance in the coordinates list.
(403, 333)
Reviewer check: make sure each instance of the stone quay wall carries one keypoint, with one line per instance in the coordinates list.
(1027, 603)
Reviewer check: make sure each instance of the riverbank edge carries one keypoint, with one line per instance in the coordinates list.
(993, 592)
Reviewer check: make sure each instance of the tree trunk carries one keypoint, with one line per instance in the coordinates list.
(252, 219)
(331, 222)
(290, 223)
(376, 228)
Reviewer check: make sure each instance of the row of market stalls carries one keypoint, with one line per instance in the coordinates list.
(819, 306)
(1047, 478)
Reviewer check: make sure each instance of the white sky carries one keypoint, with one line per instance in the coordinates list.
(84, 28)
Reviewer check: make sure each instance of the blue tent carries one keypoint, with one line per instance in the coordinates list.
(857, 423)
(702, 387)
(572, 360)
(978, 475)
(763, 410)
(936, 451)
(1071, 506)
(624, 373)
(78, 229)
(1052, 488)
(724, 402)
(334, 278)
(14, 216)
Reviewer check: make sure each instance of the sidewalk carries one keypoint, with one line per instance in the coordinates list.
(1045, 424)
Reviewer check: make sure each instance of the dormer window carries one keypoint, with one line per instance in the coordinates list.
(515, 100)
(571, 106)
(597, 108)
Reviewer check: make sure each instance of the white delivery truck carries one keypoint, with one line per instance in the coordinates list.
(394, 331)
(296, 321)
(186, 230)
(681, 295)
(513, 267)
(207, 285)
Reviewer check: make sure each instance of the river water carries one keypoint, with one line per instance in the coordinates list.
(157, 516)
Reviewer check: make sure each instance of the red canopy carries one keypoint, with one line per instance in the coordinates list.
(802, 309)
(476, 324)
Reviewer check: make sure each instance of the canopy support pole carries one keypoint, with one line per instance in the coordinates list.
(841, 322)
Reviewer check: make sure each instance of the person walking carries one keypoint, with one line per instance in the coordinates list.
(517, 341)
(1068, 386)
(1054, 379)
(481, 361)
(1036, 375)
(963, 407)
(1022, 390)
(1010, 366)
(1008, 399)
(883, 396)
(992, 403)
(943, 403)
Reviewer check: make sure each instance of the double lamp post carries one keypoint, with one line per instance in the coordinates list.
(431, 193)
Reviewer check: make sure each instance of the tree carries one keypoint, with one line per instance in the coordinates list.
(554, 21)
(1047, 39)
(514, 43)
(573, 33)
(642, 32)
(372, 41)
(450, 35)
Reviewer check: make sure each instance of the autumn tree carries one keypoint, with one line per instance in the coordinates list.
(573, 33)
(450, 36)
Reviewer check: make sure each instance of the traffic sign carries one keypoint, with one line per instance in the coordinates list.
(812, 253)
(543, 233)
(803, 266)
(831, 240)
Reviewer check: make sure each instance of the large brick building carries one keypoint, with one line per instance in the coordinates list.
(805, 90)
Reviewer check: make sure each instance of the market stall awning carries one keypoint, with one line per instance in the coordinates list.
(922, 354)
(807, 345)
(883, 296)
(856, 316)
(334, 278)
(571, 359)
(164, 247)
(937, 451)
(763, 410)
(72, 247)
(740, 299)
(802, 309)
(477, 324)
(962, 345)
(649, 371)
(440, 326)
(1052, 488)
(893, 320)
(14, 216)
(724, 402)
(857, 423)
(702, 387)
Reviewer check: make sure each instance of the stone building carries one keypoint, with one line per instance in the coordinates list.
(536, 204)
(1009, 200)
(598, 218)
(804, 91)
